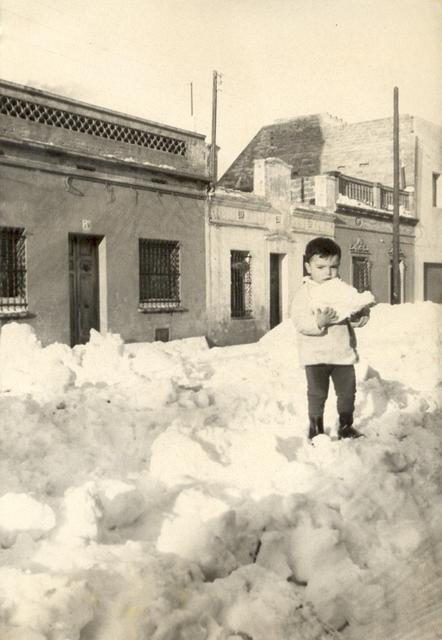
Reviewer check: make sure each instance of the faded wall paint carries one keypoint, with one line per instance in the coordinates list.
(51, 206)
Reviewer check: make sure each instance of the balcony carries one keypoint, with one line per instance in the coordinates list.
(334, 190)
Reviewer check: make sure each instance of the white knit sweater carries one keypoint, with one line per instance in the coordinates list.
(335, 344)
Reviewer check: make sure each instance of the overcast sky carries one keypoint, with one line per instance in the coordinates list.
(279, 58)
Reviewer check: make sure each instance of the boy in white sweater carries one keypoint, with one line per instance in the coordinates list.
(327, 345)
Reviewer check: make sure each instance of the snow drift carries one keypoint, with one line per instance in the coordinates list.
(168, 491)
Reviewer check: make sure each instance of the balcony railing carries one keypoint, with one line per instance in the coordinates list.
(387, 199)
(356, 189)
(372, 194)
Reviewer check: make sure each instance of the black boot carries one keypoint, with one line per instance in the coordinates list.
(316, 426)
(346, 429)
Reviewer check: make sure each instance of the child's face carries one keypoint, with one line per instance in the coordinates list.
(322, 269)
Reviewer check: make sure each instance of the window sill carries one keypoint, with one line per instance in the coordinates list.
(242, 318)
(163, 310)
(8, 315)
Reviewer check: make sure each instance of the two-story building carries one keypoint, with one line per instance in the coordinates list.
(362, 154)
(102, 221)
(363, 229)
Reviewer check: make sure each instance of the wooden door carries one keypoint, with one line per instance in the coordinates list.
(275, 289)
(433, 281)
(84, 291)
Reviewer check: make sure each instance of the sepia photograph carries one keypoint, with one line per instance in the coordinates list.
(221, 320)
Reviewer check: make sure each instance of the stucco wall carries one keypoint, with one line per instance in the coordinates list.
(50, 207)
(222, 328)
(378, 241)
(429, 229)
(259, 234)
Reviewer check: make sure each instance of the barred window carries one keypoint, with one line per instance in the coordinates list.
(159, 274)
(12, 270)
(240, 284)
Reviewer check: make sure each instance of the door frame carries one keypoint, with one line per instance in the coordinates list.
(280, 257)
(73, 283)
(425, 272)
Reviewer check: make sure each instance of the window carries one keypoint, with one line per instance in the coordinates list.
(240, 284)
(361, 273)
(436, 195)
(12, 271)
(159, 274)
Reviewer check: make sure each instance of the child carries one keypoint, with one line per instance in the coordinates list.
(327, 346)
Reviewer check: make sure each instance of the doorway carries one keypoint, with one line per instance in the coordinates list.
(275, 289)
(433, 281)
(84, 287)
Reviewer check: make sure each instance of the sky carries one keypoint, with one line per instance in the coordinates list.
(278, 58)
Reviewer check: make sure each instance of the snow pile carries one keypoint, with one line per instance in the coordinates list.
(340, 296)
(20, 512)
(168, 491)
(27, 368)
(404, 343)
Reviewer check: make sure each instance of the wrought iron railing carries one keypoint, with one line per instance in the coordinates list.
(12, 270)
(241, 284)
(159, 274)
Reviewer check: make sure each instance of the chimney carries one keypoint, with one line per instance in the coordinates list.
(272, 180)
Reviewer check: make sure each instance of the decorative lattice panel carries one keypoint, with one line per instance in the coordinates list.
(34, 112)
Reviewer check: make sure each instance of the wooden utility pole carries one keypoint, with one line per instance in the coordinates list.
(396, 293)
(213, 151)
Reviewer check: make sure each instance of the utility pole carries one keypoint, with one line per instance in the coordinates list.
(396, 293)
(213, 152)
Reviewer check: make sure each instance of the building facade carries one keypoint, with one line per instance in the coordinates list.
(256, 243)
(102, 221)
(318, 144)
(363, 229)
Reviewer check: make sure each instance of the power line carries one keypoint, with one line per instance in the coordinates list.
(76, 44)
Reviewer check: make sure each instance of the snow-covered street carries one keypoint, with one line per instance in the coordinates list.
(167, 491)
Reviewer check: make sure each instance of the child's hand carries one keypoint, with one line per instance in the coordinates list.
(360, 318)
(326, 316)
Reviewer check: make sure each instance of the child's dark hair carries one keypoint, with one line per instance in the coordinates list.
(322, 247)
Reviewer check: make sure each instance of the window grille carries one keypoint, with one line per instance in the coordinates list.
(159, 274)
(240, 284)
(12, 270)
(361, 273)
(43, 114)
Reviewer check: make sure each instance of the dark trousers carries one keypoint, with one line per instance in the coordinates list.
(318, 380)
